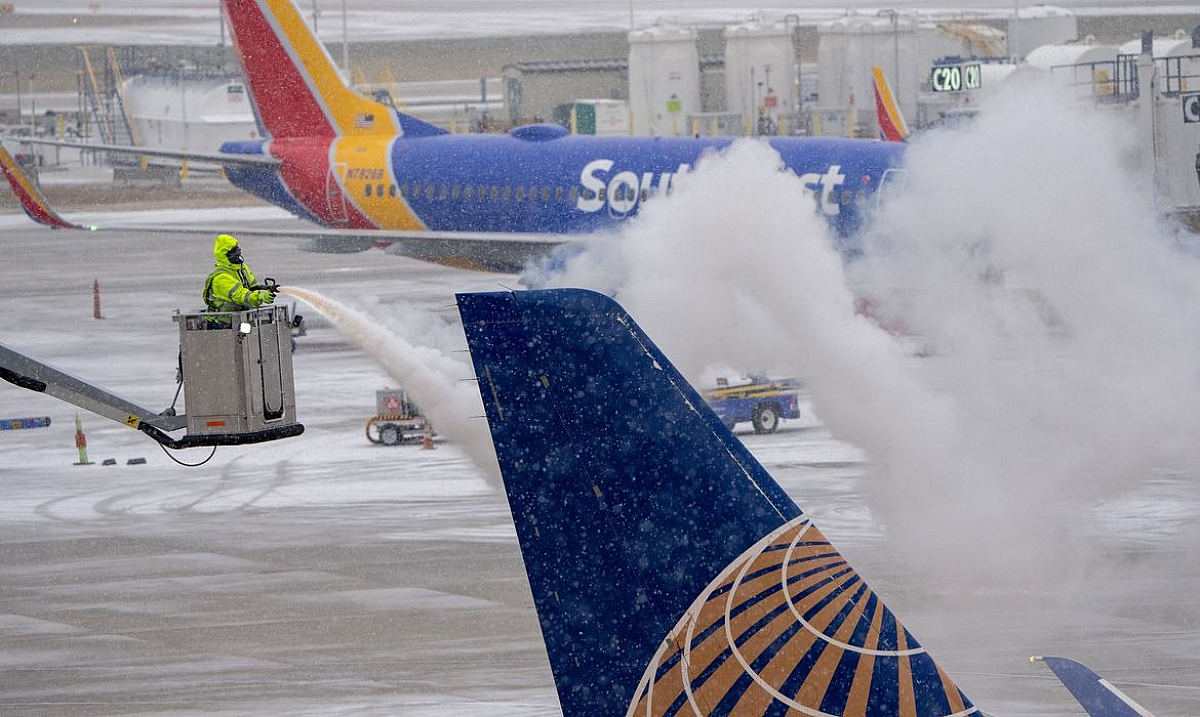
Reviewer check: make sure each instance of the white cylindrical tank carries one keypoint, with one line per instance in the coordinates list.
(1179, 64)
(760, 70)
(993, 77)
(850, 46)
(1040, 25)
(196, 114)
(1172, 47)
(1086, 69)
(1048, 57)
(664, 79)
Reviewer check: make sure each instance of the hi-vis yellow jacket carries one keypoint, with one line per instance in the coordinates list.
(228, 286)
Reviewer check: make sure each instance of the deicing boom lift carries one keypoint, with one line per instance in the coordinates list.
(236, 370)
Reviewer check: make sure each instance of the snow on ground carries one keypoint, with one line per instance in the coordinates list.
(325, 575)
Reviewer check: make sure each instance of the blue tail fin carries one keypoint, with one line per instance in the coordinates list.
(669, 570)
(1097, 696)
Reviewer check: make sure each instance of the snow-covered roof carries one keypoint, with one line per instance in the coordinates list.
(660, 33)
(759, 29)
(1048, 56)
(1034, 12)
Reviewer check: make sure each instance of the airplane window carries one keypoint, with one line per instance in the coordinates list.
(558, 194)
(367, 192)
(506, 193)
(391, 190)
(847, 196)
(573, 195)
(404, 190)
(494, 194)
(482, 192)
(429, 191)
(602, 193)
(520, 196)
(454, 192)
(379, 190)
(545, 194)
(442, 192)
(416, 190)
(587, 193)
(468, 192)
(645, 193)
(533, 192)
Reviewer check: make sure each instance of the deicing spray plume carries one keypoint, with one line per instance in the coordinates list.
(431, 378)
(1063, 322)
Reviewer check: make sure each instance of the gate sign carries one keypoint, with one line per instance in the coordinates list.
(955, 78)
(1191, 107)
(13, 424)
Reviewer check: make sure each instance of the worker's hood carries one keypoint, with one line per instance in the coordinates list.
(222, 246)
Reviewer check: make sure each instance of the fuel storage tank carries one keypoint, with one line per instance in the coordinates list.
(664, 79)
(760, 70)
(850, 46)
(196, 113)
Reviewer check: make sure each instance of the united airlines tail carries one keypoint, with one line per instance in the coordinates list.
(296, 89)
(892, 127)
(1097, 696)
(32, 201)
(670, 572)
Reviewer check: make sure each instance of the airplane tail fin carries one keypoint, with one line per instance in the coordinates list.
(296, 87)
(1097, 696)
(31, 198)
(892, 127)
(670, 572)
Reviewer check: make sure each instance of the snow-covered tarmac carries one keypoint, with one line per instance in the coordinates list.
(325, 575)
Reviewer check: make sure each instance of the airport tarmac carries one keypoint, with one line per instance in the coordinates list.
(326, 575)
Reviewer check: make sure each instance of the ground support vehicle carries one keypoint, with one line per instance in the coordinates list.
(763, 402)
(397, 420)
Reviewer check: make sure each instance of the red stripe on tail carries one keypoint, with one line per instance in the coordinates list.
(285, 102)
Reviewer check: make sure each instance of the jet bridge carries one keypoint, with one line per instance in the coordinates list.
(236, 371)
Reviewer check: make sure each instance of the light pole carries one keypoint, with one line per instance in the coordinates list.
(345, 43)
(17, 77)
(1014, 44)
(894, 16)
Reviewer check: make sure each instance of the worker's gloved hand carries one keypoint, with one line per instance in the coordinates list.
(261, 297)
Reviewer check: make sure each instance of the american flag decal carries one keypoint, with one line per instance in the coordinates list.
(364, 121)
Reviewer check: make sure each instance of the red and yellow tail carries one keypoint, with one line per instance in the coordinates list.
(32, 201)
(892, 127)
(296, 88)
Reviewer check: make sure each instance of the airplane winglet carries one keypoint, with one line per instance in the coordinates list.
(671, 574)
(31, 198)
(1097, 696)
(892, 127)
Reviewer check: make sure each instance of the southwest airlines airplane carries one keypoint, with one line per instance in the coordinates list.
(370, 175)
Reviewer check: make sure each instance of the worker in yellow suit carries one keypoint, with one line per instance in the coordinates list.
(230, 286)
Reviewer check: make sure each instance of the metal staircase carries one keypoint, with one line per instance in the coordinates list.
(101, 86)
